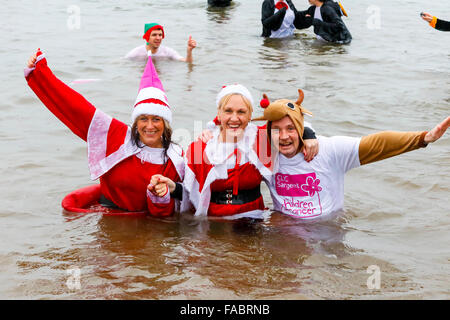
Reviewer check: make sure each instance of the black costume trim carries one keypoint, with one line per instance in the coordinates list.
(178, 192)
(244, 196)
(442, 25)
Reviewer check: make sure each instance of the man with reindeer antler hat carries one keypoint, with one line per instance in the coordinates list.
(315, 189)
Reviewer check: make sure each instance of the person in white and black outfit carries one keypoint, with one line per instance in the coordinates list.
(325, 16)
(279, 18)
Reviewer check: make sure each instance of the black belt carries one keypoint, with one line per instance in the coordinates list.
(105, 202)
(244, 196)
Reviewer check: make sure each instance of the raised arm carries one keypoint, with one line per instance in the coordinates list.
(65, 103)
(191, 45)
(386, 144)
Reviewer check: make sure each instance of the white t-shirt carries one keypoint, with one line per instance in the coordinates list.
(318, 15)
(287, 27)
(315, 189)
(140, 53)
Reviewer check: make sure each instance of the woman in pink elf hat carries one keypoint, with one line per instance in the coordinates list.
(123, 158)
(223, 175)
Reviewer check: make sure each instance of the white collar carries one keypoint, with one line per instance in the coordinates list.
(151, 155)
(218, 152)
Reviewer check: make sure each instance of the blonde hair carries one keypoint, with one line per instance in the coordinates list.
(226, 98)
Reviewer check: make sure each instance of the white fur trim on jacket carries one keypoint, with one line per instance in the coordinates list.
(156, 199)
(97, 140)
(200, 199)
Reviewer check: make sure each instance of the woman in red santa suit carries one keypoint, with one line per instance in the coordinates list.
(123, 158)
(224, 174)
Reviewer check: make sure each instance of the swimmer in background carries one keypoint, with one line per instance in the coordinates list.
(436, 23)
(279, 18)
(219, 3)
(154, 35)
(325, 16)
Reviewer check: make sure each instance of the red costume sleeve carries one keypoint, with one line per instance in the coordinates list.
(65, 103)
(161, 209)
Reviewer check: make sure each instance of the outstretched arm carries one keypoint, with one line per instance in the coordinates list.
(386, 144)
(435, 22)
(65, 103)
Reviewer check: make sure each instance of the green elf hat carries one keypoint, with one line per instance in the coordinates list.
(149, 27)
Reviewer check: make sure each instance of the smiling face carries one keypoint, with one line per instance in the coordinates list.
(234, 115)
(150, 129)
(285, 137)
(155, 38)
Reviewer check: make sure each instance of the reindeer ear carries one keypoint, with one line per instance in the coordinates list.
(301, 96)
(264, 103)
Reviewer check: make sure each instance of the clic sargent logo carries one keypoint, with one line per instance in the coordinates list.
(293, 187)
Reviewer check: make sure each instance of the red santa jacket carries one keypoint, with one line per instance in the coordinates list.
(206, 170)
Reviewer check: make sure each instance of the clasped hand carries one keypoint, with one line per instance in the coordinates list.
(159, 185)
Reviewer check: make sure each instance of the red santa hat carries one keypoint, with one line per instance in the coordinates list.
(226, 90)
(234, 89)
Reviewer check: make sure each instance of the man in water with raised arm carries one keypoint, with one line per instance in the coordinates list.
(153, 35)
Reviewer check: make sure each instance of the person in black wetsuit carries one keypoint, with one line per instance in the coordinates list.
(436, 23)
(219, 3)
(325, 16)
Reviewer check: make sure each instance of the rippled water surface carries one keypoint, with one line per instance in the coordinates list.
(396, 217)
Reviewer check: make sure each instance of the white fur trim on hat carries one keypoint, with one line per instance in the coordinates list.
(151, 93)
(152, 109)
(234, 88)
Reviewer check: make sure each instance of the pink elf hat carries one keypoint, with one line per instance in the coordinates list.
(151, 98)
